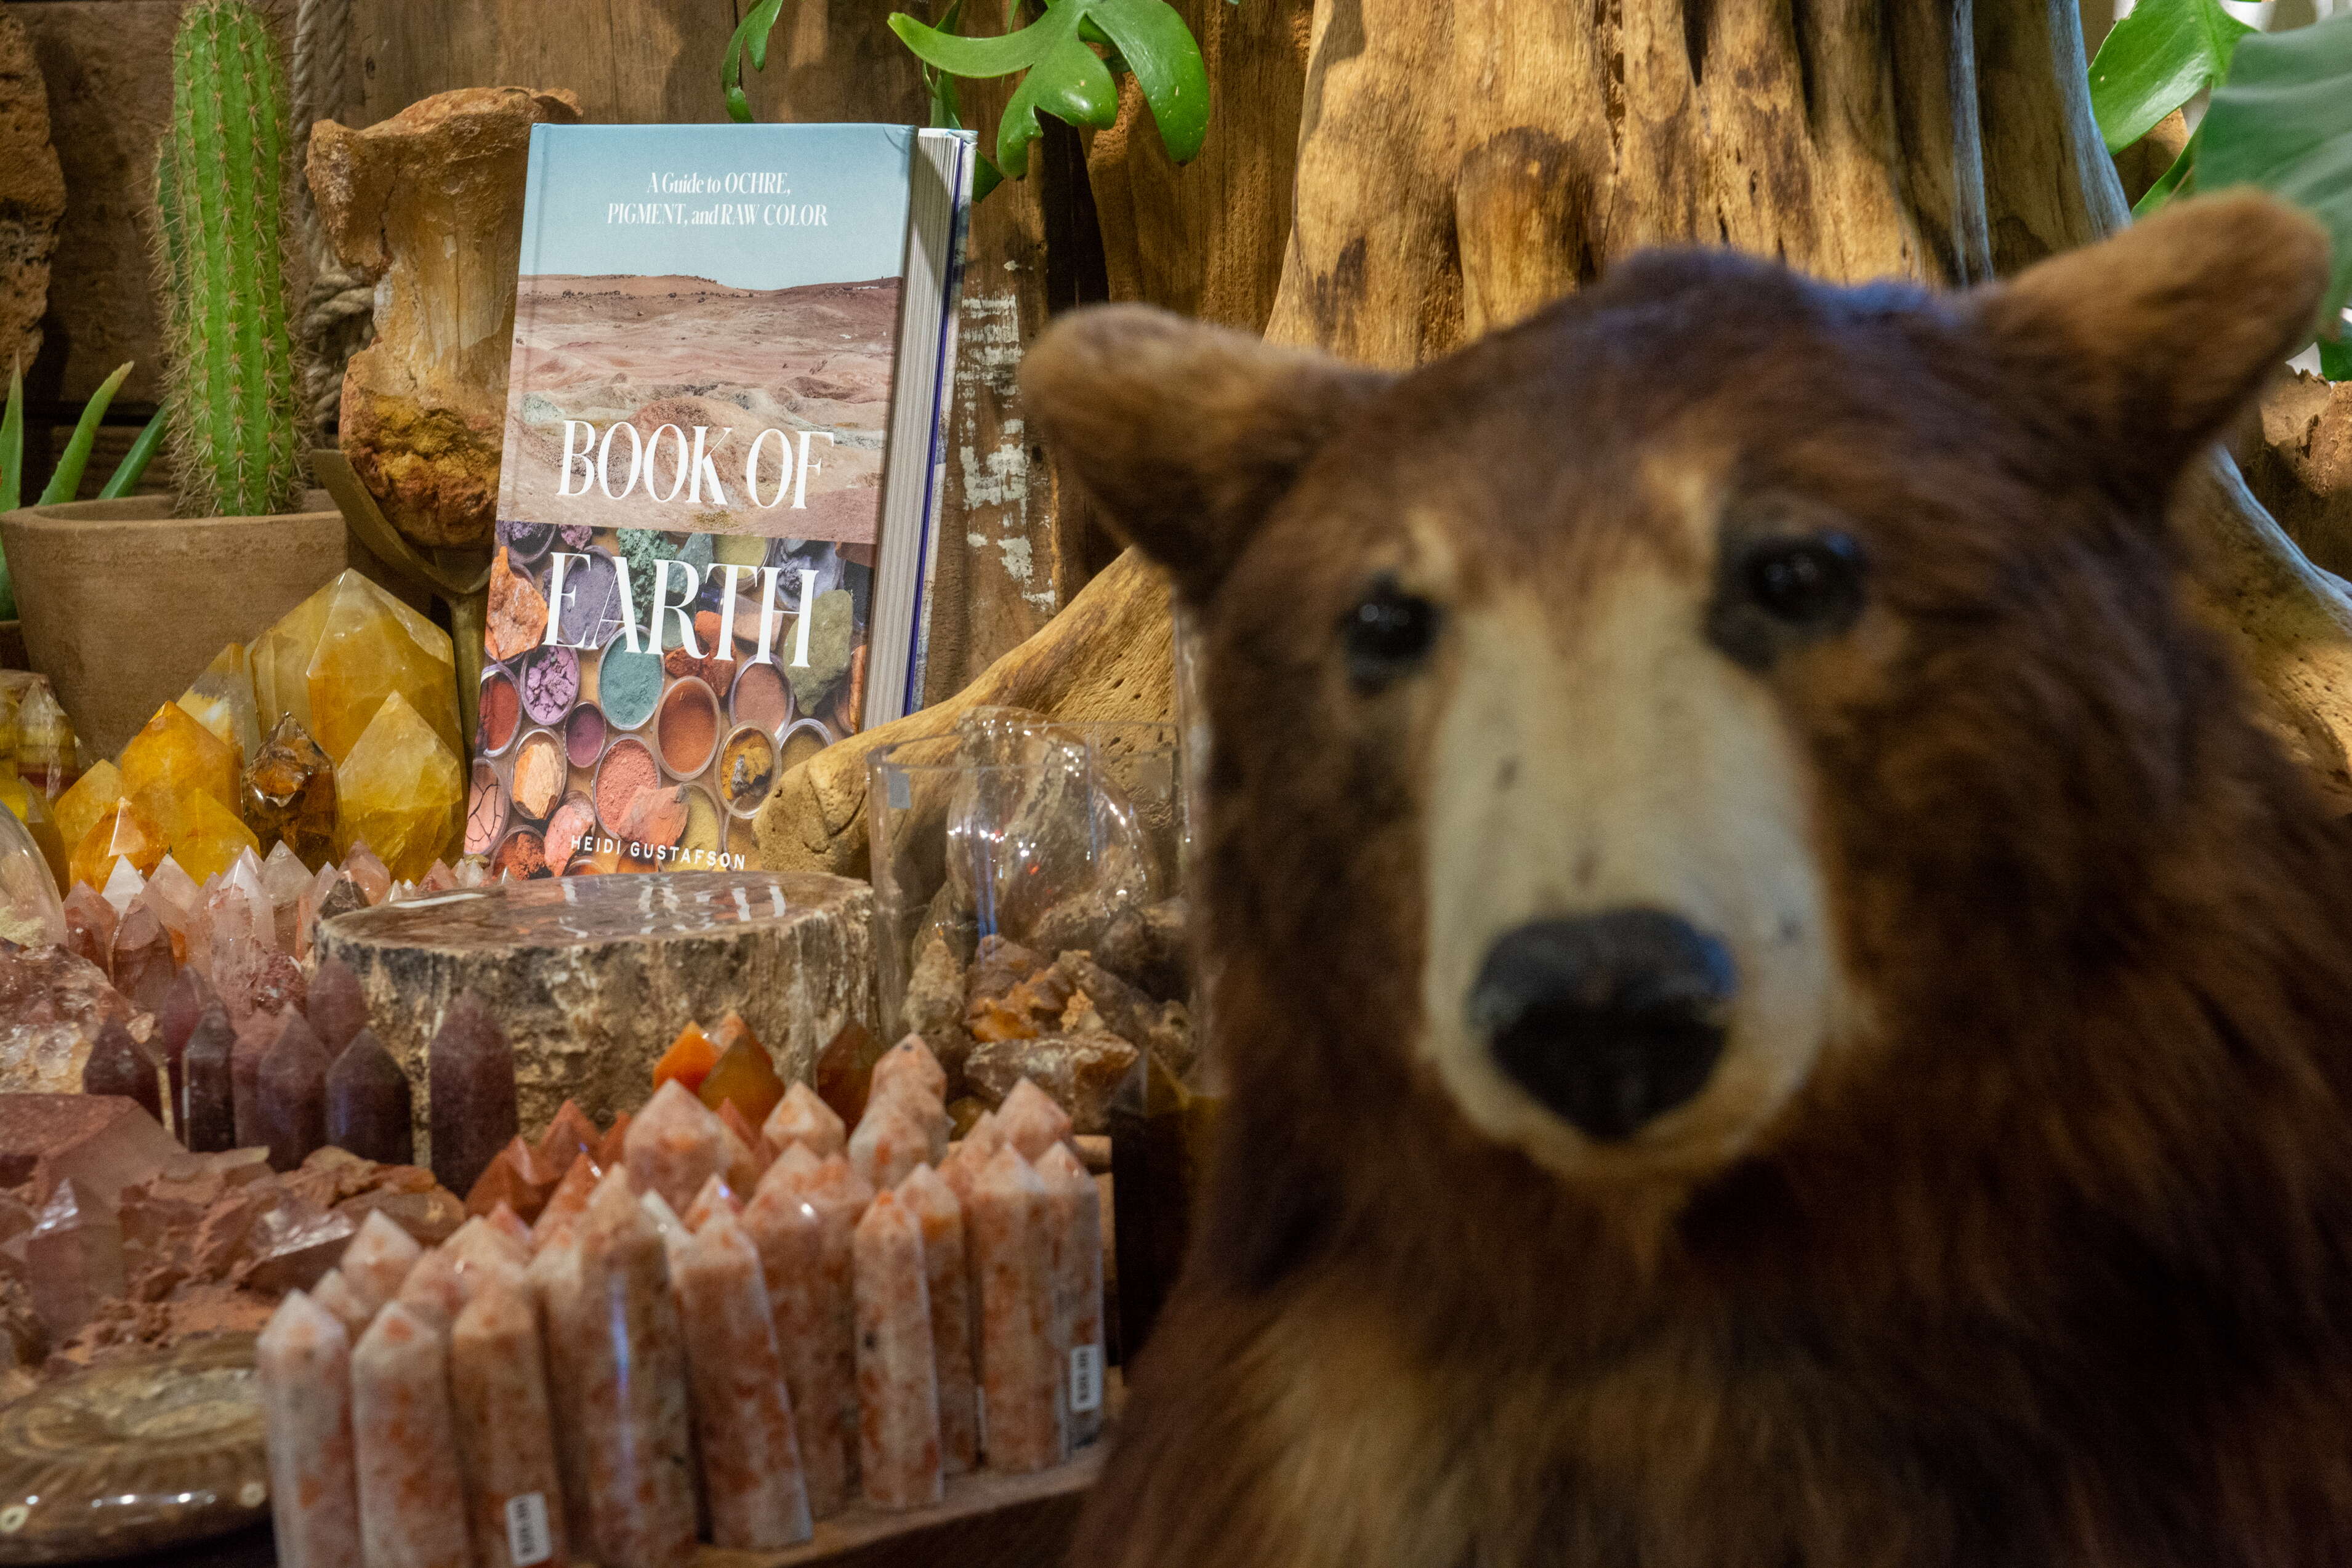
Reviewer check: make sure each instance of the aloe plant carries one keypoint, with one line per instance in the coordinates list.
(232, 399)
(64, 480)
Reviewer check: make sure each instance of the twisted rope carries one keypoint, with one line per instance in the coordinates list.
(339, 312)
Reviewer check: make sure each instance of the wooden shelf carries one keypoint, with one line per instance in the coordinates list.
(987, 1522)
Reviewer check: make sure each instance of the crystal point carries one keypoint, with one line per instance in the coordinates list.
(744, 1076)
(471, 1093)
(209, 1122)
(290, 793)
(368, 1109)
(401, 789)
(338, 1007)
(291, 1094)
(118, 1064)
(172, 760)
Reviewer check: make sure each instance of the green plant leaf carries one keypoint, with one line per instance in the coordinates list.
(65, 479)
(2335, 359)
(996, 56)
(2156, 59)
(1159, 48)
(1071, 83)
(127, 472)
(2282, 122)
(12, 442)
(749, 39)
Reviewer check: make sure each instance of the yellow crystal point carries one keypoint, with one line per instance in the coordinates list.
(80, 808)
(172, 760)
(342, 651)
(123, 831)
(33, 810)
(209, 837)
(222, 700)
(402, 790)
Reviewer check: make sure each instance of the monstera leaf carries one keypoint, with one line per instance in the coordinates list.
(2158, 59)
(2282, 120)
(1067, 79)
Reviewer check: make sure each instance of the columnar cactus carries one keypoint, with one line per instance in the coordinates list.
(233, 409)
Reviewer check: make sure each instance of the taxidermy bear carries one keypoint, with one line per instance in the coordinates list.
(1779, 1008)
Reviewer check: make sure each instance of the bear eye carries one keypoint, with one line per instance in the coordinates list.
(1386, 633)
(1780, 590)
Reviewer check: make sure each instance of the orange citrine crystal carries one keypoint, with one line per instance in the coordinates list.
(689, 1059)
(743, 1074)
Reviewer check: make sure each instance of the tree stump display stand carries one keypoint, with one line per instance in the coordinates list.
(592, 976)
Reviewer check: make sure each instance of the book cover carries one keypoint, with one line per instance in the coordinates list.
(713, 353)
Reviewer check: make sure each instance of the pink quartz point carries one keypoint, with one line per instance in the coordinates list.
(751, 1480)
(303, 1363)
(1020, 1381)
(811, 1303)
(363, 868)
(889, 1142)
(432, 1291)
(640, 1486)
(715, 1195)
(184, 1009)
(411, 1495)
(1074, 1223)
(142, 968)
(1031, 1121)
(510, 1227)
(337, 1010)
(368, 1106)
(377, 1261)
(89, 924)
(290, 1095)
(498, 1385)
(567, 1203)
(935, 1210)
(208, 1120)
(471, 1093)
(898, 1390)
(912, 1060)
(333, 1293)
(906, 1095)
(675, 1144)
(801, 1116)
(569, 1327)
(118, 1064)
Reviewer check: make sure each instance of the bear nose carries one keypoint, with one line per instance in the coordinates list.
(1610, 1019)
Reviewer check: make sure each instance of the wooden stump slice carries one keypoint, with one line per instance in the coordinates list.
(590, 977)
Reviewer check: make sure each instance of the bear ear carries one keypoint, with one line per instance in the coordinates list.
(1185, 434)
(2148, 343)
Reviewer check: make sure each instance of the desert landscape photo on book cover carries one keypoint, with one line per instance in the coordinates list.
(697, 408)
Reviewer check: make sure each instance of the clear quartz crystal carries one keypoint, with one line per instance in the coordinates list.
(123, 884)
(31, 915)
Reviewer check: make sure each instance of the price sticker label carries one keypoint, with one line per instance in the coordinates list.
(1086, 1378)
(527, 1534)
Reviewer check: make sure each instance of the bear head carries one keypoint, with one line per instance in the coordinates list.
(1722, 708)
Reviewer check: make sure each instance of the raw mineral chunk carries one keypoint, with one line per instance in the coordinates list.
(742, 1414)
(1146, 945)
(401, 789)
(940, 1217)
(1081, 1072)
(1074, 1224)
(368, 1109)
(472, 1095)
(73, 1259)
(303, 1360)
(504, 1438)
(801, 1117)
(1020, 1378)
(412, 1497)
(518, 611)
(100, 1144)
(898, 1392)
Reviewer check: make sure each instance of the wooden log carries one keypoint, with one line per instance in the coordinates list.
(590, 977)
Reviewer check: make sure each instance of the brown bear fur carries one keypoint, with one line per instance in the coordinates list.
(2052, 1263)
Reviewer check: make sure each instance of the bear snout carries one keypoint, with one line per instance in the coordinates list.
(1608, 1020)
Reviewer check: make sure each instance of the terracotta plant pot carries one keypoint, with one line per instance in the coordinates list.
(124, 604)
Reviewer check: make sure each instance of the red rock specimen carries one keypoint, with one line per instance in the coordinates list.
(742, 1416)
(368, 1109)
(120, 1065)
(498, 1389)
(412, 1499)
(898, 1391)
(291, 1094)
(304, 1362)
(1019, 1376)
(471, 1093)
(211, 1120)
(1081, 1071)
(336, 1010)
(940, 1216)
(1074, 1231)
(800, 1117)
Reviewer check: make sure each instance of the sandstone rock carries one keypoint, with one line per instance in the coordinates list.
(590, 978)
(32, 195)
(429, 204)
(2299, 464)
(1080, 1071)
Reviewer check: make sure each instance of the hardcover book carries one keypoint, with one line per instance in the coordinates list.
(720, 483)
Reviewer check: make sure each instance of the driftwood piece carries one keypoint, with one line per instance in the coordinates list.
(1105, 657)
(32, 195)
(429, 204)
(590, 977)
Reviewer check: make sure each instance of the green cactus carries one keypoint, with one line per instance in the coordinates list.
(232, 404)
